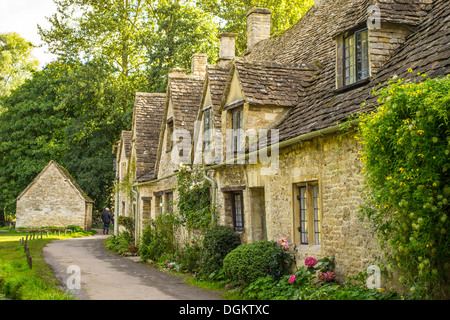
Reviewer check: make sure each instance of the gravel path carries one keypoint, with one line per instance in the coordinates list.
(105, 276)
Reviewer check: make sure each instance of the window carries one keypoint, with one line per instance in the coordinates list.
(238, 211)
(309, 223)
(169, 201)
(159, 204)
(146, 208)
(356, 57)
(207, 129)
(237, 130)
(169, 143)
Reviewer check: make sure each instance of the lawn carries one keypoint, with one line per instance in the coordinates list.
(17, 280)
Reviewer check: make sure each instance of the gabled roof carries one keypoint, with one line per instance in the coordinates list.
(184, 93)
(125, 141)
(64, 174)
(310, 41)
(270, 83)
(216, 77)
(147, 117)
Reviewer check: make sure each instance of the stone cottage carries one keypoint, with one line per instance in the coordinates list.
(53, 199)
(272, 127)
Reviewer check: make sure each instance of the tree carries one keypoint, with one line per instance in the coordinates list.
(103, 30)
(16, 61)
(231, 15)
(179, 31)
(31, 133)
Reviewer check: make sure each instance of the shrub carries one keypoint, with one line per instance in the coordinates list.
(158, 237)
(190, 257)
(119, 244)
(406, 148)
(218, 241)
(250, 261)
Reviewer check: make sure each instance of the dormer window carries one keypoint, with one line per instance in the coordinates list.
(207, 129)
(237, 129)
(169, 140)
(356, 57)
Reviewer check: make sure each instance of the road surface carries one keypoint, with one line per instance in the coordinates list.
(93, 273)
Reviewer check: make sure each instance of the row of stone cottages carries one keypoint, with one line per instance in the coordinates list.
(305, 83)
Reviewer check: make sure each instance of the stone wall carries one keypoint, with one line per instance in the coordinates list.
(383, 43)
(332, 163)
(52, 201)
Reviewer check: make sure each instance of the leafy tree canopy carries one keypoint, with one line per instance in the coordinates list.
(16, 61)
(231, 15)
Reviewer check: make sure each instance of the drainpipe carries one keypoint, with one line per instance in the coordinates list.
(213, 200)
(136, 215)
(116, 208)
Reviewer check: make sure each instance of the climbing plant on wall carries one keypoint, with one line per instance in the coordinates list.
(194, 204)
(406, 147)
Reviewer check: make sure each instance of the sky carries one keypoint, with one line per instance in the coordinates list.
(23, 16)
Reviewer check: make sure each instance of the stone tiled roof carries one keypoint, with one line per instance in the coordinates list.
(126, 142)
(310, 41)
(270, 83)
(185, 93)
(147, 117)
(216, 80)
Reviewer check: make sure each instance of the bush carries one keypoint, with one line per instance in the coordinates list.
(250, 261)
(190, 257)
(158, 237)
(407, 171)
(218, 241)
(119, 244)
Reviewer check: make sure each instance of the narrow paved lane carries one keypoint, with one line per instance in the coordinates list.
(105, 276)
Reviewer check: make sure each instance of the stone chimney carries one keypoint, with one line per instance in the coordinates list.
(227, 49)
(258, 26)
(198, 64)
(177, 73)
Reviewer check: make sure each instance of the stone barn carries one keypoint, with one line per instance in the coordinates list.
(53, 199)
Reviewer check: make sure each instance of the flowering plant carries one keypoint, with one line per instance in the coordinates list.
(310, 262)
(284, 243)
(327, 276)
(292, 279)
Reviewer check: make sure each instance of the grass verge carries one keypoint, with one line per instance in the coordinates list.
(17, 280)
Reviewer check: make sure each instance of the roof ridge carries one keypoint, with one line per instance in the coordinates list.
(273, 64)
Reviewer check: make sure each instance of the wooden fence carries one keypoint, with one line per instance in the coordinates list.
(36, 235)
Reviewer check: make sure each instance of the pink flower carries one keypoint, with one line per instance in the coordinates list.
(310, 262)
(327, 276)
(283, 242)
(292, 279)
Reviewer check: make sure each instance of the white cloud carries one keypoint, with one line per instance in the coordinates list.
(23, 16)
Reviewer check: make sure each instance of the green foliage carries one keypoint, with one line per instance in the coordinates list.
(75, 228)
(406, 155)
(250, 261)
(16, 62)
(303, 284)
(193, 202)
(231, 15)
(158, 236)
(179, 30)
(31, 133)
(190, 257)
(119, 244)
(218, 241)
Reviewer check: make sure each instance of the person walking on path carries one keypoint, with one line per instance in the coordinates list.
(106, 217)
